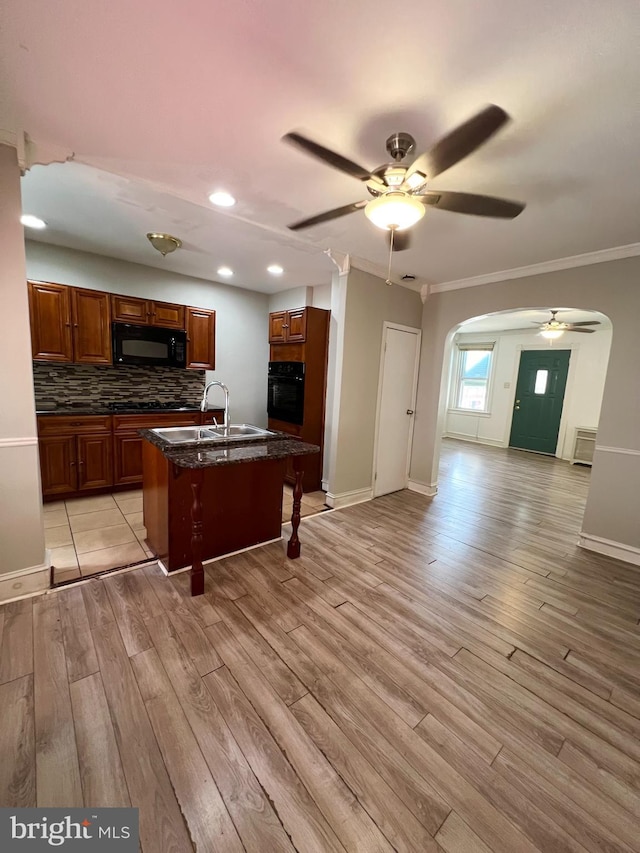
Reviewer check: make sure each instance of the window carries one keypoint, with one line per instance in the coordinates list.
(471, 389)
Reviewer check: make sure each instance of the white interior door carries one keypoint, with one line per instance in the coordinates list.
(396, 405)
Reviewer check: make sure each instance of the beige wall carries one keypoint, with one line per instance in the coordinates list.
(612, 288)
(21, 526)
(368, 302)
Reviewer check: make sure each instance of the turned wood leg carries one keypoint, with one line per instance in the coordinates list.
(197, 570)
(293, 547)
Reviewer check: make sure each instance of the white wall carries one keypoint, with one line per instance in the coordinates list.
(610, 522)
(242, 348)
(583, 395)
(367, 303)
(23, 565)
(318, 296)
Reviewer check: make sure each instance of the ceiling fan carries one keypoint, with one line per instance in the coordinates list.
(553, 328)
(399, 191)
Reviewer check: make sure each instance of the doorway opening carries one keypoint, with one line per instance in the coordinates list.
(523, 391)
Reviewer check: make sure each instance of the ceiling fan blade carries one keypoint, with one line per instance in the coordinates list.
(331, 158)
(585, 323)
(401, 240)
(581, 331)
(327, 215)
(478, 205)
(460, 142)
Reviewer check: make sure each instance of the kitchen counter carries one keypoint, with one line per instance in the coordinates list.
(230, 452)
(203, 500)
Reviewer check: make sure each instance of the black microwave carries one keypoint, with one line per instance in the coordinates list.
(285, 391)
(148, 345)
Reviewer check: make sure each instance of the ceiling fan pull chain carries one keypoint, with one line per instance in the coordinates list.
(393, 232)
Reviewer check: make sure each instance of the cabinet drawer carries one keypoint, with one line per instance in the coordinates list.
(63, 424)
(128, 423)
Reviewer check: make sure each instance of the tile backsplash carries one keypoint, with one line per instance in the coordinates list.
(69, 384)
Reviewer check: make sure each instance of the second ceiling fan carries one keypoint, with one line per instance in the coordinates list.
(399, 191)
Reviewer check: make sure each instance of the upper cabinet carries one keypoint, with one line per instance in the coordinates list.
(144, 312)
(91, 326)
(73, 324)
(288, 326)
(50, 314)
(69, 324)
(201, 338)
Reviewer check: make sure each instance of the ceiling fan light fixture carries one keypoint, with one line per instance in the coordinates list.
(164, 243)
(394, 211)
(552, 334)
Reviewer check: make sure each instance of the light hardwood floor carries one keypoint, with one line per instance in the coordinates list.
(449, 675)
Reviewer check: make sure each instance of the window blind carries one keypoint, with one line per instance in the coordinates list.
(486, 346)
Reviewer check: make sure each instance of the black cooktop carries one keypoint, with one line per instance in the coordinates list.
(135, 405)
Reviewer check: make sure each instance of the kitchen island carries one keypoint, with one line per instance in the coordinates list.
(204, 499)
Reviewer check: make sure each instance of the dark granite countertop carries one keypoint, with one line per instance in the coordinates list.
(105, 410)
(277, 446)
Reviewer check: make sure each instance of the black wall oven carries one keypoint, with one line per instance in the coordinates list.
(148, 345)
(285, 400)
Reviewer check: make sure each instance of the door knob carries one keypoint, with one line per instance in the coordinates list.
(517, 408)
(409, 411)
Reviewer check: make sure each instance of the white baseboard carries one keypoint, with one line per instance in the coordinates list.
(325, 485)
(462, 436)
(423, 488)
(618, 550)
(25, 582)
(357, 496)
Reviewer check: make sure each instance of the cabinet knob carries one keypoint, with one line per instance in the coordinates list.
(75, 325)
(68, 325)
(72, 463)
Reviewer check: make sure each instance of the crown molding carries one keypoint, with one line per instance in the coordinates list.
(615, 253)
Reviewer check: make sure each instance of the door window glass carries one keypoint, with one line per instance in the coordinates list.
(542, 377)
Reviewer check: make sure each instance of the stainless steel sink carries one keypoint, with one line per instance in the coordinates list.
(186, 435)
(241, 431)
(210, 435)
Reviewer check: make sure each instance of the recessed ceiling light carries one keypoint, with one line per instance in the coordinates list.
(30, 221)
(222, 199)
(225, 271)
(275, 269)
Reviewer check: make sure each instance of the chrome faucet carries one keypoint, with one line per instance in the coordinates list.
(203, 405)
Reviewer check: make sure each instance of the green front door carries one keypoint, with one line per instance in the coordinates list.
(542, 378)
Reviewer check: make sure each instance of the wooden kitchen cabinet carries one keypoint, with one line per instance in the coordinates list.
(145, 312)
(50, 316)
(95, 469)
(58, 464)
(127, 444)
(201, 338)
(288, 326)
(91, 317)
(69, 324)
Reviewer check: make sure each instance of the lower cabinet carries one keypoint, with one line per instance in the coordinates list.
(71, 463)
(79, 454)
(58, 464)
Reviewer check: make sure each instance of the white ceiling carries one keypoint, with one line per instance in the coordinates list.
(163, 103)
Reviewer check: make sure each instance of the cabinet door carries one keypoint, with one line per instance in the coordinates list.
(277, 327)
(167, 314)
(50, 315)
(201, 338)
(91, 326)
(128, 309)
(127, 458)
(58, 467)
(94, 461)
(296, 325)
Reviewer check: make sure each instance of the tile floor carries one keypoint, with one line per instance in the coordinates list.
(90, 535)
